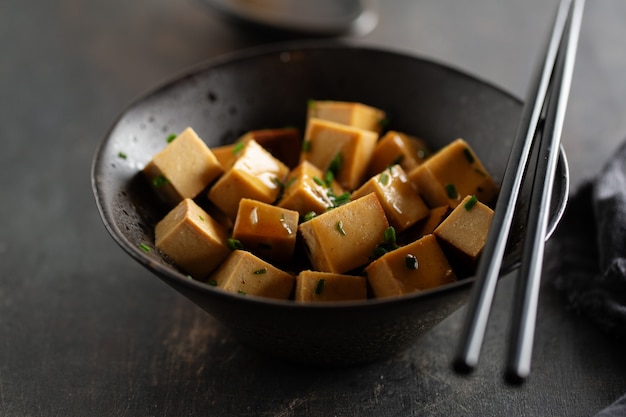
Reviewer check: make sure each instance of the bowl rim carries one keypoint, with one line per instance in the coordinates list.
(176, 278)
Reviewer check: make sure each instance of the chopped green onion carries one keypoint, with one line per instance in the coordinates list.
(336, 163)
(384, 122)
(320, 286)
(159, 181)
(468, 154)
(290, 181)
(121, 155)
(310, 103)
(451, 190)
(306, 146)
(241, 292)
(308, 216)
(390, 235)
(234, 244)
(145, 247)
(410, 261)
(340, 228)
(212, 282)
(201, 218)
(171, 138)
(471, 203)
(339, 200)
(238, 147)
(383, 178)
(260, 271)
(318, 181)
(329, 177)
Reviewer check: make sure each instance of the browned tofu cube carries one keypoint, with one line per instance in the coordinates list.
(315, 286)
(463, 233)
(183, 168)
(342, 149)
(399, 197)
(398, 148)
(255, 174)
(268, 231)
(246, 274)
(344, 238)
(452, 173)
(307, 190)
(347, 113)
(418, 266)
(192, 239)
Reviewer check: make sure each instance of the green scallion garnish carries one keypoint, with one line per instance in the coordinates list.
(468, 155)
(470, 203)
(390, 235)
(318, 181)
(308, 216)
(336, 164)
(383, 178)
(306, 146)
(340, 228)
(410, 261)
(451, 191)
(212, 282)
(260, 271)
(159, 181)
(234, 244)
(320, 286)
(238, 147)
(122, 155)
(171, 138)
(145, 247)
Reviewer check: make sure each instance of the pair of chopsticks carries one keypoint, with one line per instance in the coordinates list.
(541, 121)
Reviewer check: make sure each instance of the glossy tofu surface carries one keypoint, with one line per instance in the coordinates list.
(398, 148)
(418, 266)
(349, 113)
(344, 238)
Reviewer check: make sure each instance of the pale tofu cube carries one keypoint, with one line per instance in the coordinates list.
(246, 274)
(183, 168)
(344, 238)
(226, 155)
(348, 113)
(192, 239)
(308, 190)
(418, 266)
(399, 197)
(316, 286)
(463, 233)
(342, 149)
(266, 230)
(256, 174)
(452, 173)
(398, 148)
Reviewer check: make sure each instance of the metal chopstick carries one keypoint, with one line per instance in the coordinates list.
(488, 270)
(527, 291)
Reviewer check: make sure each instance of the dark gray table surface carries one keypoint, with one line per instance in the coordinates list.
(85, 331)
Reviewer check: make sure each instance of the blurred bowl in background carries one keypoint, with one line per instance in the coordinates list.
(269, 87)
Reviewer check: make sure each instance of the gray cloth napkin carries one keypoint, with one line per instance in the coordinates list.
(591, 270)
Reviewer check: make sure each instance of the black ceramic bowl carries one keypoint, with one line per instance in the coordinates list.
(269, 87)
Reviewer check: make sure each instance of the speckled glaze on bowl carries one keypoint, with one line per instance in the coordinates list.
(269, 87)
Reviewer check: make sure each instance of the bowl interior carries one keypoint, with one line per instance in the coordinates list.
(269, 87)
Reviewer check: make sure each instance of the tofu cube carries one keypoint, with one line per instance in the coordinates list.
(183, 168)
(316, 286)
(255, 174)
(226, 155)
(246, 274)
(192, 239)
(347, 113)
(463, 233)
(452, 173)
(399, 197)
(306, 190)
(342, 149)
(344, 238)
(398, 148)
(418, 266)
(266, 230)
